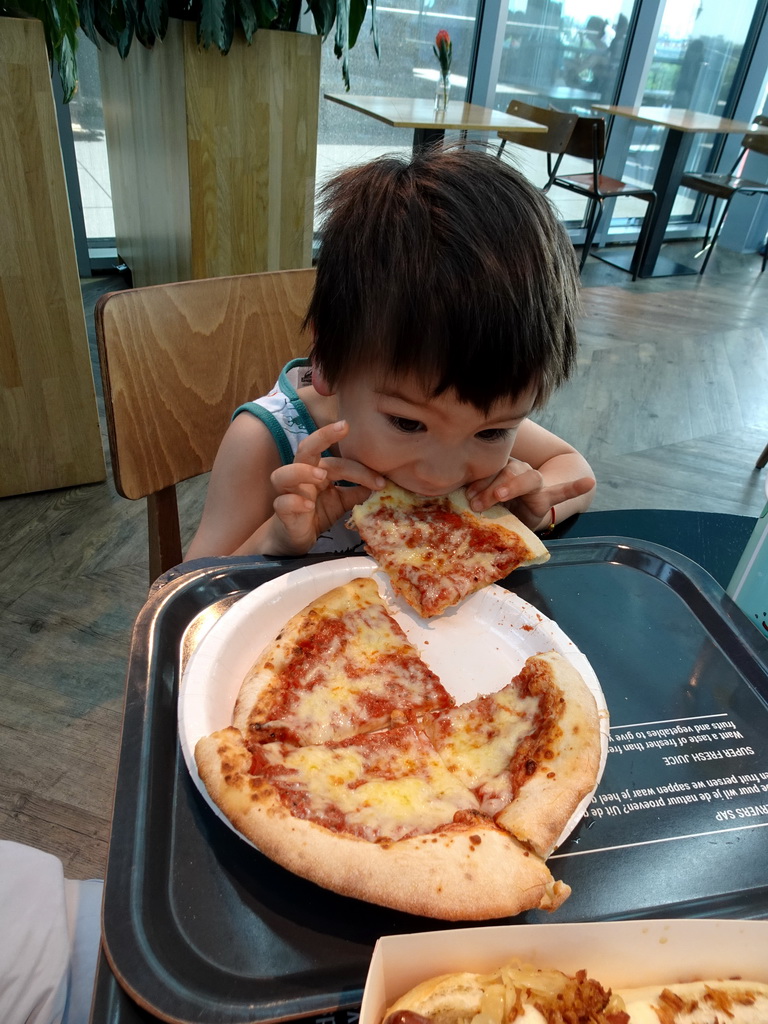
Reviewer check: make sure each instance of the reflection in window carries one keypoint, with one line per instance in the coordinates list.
(407, 67)
(696, 56)
(567, 55)
(91, 147)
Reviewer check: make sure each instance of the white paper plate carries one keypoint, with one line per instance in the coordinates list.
(474, 648)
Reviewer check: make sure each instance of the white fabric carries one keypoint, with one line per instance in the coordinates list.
(49, 939)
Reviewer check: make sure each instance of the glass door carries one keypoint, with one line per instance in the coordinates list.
(696, 61)
(568, 55)
(91, 148)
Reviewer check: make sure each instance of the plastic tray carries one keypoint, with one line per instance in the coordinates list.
(200, 926)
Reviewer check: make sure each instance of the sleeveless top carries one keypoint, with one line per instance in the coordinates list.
(288, 420)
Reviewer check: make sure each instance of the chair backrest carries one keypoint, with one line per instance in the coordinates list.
(587, 141)
(176, 360)
(757, 141)
(558, 124)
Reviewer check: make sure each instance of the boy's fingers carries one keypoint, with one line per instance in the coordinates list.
(298, 475)
(504, 487)
(312, 447)
(352, 472)
(293, 505)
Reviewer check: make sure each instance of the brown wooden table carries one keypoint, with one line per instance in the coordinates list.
(681, 126)
(429, 126)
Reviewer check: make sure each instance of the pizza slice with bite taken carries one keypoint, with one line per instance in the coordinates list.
(437, 551)
(530, 751)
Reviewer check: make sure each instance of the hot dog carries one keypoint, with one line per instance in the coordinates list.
(521, 993)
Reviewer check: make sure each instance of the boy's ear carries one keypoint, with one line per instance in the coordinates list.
(319, 383)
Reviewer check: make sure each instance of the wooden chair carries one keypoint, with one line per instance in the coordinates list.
(726, 186)
(176, 361)
(553, 142)
(587, 142)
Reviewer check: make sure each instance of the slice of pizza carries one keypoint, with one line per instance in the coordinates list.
(378, 817)
(530, 752)
(339, 667)
(437, 551)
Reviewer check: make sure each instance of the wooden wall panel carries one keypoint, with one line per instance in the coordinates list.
(49, 427)
(217, 174)
(145, 122)
(252, 130)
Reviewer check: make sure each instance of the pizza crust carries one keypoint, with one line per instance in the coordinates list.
(460, 872)
(566, 771)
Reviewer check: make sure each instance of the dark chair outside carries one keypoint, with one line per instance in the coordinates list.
(726, 186)
(553, 142)
(587, 142)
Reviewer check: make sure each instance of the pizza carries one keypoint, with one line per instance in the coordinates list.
(349, 763)
(340, 667)
(523, 751)
(437, 551)
(524, 993)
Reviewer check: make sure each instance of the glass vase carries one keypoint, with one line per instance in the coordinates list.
(443, 93)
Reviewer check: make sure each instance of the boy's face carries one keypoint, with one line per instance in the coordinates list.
(430, 446)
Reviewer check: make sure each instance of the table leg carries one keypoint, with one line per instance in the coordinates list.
(673, 162)
(427, 137)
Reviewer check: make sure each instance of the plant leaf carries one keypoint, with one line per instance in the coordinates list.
(266, 11)
(357, 9)
(86, 11)
(110, 24)
(247, 18)
(67, 64)
(126, 36)
(375, 29)
(341, 40)
(216, 26)
(324, 14)
(152, 21)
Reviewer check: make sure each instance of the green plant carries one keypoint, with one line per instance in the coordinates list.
(119, 22)
(60, 21)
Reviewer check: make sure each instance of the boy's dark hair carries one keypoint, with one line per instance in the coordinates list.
(450, 266)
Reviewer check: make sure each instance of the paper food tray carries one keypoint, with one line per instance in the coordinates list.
(619, 954)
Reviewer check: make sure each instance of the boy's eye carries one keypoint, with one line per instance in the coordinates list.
(406, 426)
(494, 434)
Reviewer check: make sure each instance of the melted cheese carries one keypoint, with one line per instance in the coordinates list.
(346, 671)
(420, 551)
(392, 788)
(356, 669)
(484, 734)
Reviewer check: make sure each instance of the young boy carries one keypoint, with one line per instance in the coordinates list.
(442, 316)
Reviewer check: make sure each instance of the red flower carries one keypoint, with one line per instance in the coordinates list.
(443, 50)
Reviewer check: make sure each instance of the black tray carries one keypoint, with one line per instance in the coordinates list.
(199, 926)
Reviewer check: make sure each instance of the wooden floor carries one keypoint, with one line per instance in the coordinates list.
(670, 403)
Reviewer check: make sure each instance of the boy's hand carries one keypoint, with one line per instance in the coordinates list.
(524, 491)
(308, 501)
